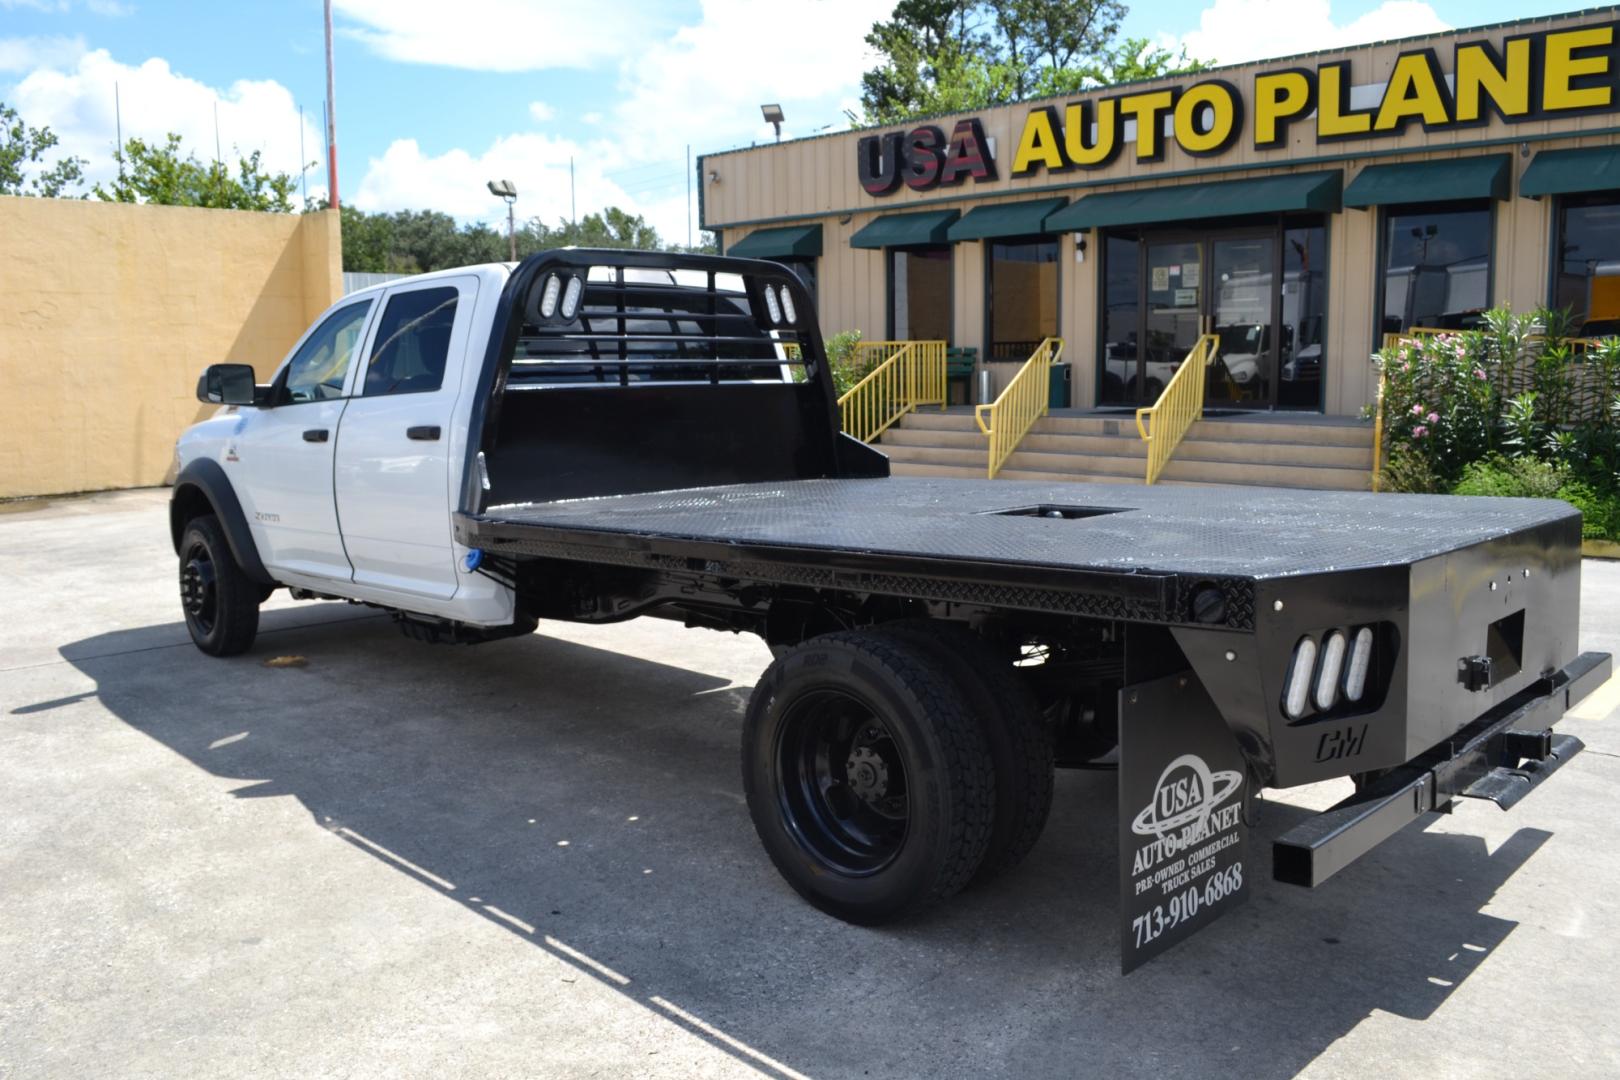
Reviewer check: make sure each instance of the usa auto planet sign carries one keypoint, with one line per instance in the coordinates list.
(1183, 839)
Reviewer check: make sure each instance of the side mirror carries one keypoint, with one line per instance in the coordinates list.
(226, 384)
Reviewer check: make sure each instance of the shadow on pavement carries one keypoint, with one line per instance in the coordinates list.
(590, 802)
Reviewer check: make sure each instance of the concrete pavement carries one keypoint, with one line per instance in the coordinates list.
(532, 858)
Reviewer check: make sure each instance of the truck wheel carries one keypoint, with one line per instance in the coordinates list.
(221, 604)
(1019, 740)
(868, 779)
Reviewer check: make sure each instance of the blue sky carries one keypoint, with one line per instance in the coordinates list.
(435, 97)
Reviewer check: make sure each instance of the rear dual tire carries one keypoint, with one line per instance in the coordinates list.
(886, 769)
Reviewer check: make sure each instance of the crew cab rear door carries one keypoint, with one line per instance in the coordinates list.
(392, 478)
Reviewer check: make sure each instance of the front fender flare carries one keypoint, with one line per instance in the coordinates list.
(206, 478)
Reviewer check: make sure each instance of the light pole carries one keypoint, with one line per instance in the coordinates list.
(773, 116)
(503, 189)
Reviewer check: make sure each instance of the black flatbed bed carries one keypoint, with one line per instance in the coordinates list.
(1133, 542)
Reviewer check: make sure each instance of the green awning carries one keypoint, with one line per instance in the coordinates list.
(1005, 219)
(1448, 180)
(1568, 172)
(1193, 202)
(794, 241)
(899, 230)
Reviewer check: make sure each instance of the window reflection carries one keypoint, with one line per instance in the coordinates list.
(1588, 283)
(1023, 296)
(1437, 267)
(920, 293)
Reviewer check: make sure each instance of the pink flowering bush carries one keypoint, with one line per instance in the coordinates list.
(1489, 411)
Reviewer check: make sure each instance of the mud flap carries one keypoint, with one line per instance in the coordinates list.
(1183, 844)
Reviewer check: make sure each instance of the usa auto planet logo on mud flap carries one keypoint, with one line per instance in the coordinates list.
(1195, 815)
(1186, 809)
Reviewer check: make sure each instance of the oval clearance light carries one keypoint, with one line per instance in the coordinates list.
(1299, 678)
(570, 300)
(771, 305)
(787, 305)
(1355, 677)
(548, 299)
(1327, 680)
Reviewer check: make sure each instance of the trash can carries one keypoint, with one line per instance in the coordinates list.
(1058, 384)
(986, 386)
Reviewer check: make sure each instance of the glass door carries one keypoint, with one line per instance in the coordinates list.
(1242, 306)
(1174, 280)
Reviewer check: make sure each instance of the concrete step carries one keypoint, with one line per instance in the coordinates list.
(908, 468)
(1041, 476)
(909, 436)
(933, 420)
(1088, 464)
(978, 458)
(1350, 433)
(1276, 453)
(1296, 476)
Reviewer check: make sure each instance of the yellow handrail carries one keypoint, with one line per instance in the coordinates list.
(1181, 403)
(912, 374)
(1016, 408)
(1378, 426)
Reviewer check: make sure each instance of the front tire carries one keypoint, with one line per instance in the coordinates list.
(869, 780)
(221, 604)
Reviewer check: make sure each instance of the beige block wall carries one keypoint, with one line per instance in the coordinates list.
(108, 313)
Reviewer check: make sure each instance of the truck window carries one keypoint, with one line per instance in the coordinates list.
(413, 343)
(318, 369)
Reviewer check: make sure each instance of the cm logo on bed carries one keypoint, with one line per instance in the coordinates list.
(1185, 801)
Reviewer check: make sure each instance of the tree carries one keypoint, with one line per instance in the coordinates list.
(21, 148)
(149, 173)
(942, 56)
(417, 241)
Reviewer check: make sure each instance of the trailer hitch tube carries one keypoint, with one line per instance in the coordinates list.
(1502, 756)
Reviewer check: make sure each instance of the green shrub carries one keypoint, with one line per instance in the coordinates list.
(1521, 478)
(1409, 471)
(841, 353)
(1597, 513)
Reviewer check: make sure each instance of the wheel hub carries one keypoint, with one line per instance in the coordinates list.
(868, 775)
(197, 588)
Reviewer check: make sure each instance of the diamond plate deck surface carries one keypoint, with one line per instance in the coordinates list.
(1237, 531)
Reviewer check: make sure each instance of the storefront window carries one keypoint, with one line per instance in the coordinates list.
(1023, 285)
(1437, 266)
(1304, 310)
(1122, 282)
(1588, 284)
(920, 293)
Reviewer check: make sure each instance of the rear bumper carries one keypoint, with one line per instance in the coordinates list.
(1502, 756)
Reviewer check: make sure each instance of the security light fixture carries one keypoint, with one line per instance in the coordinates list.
(773, 117)
(505, 189)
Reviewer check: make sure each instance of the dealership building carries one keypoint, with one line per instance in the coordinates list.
(1298, 208)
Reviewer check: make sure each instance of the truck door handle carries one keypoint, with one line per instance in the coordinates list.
(316, 435)
(423, 432)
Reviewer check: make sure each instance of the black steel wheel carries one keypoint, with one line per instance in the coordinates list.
(1018, 736)
(221, 605)
(868, 779)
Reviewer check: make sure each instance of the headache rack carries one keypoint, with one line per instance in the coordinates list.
(614, 371)
(607, 318)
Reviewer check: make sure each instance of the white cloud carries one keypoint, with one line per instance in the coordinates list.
(699, 86)
(705, 84)
(1234, 31)
(405, 178)
(502, 35)
(541, 112)
(27, 53)
(76, 102)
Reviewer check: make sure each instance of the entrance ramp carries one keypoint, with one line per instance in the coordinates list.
(1260, 449)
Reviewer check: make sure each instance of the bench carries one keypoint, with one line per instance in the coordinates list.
(959, 364)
